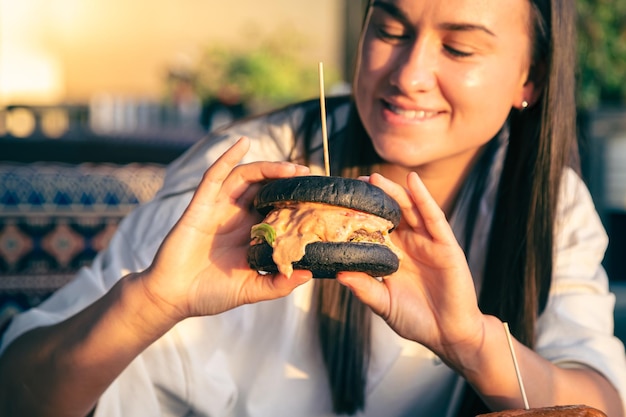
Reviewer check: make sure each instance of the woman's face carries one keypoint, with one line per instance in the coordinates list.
(437, 79)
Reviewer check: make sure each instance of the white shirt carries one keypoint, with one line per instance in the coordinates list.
(262, 359)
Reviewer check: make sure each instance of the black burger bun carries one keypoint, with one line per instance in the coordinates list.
(337, 191)
(326, 259)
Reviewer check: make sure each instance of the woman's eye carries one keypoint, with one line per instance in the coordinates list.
(391, 35)
(456, 52)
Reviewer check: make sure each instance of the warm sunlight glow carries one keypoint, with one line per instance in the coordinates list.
(29, 73)
(72, 50)
(30, 76)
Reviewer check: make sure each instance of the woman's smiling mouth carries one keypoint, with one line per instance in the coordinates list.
(410, 114)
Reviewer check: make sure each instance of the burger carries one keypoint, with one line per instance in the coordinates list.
(556, 411)
(324, 224)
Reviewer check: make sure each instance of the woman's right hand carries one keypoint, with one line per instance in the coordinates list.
(201, 267)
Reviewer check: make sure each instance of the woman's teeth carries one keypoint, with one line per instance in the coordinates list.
(412, 114)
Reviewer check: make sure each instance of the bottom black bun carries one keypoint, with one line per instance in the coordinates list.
(326, 259)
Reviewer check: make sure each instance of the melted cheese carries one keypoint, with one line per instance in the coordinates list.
(298, 224)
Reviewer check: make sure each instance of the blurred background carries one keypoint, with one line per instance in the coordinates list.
(148, 63)
(129, 85)
(98, 96)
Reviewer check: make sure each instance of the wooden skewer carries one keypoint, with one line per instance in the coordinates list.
(517, 371)
(323, 115)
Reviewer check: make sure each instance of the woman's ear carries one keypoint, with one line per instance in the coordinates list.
(532, 89)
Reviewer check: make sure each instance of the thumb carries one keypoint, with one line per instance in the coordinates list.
(279, 285)
(367, 289)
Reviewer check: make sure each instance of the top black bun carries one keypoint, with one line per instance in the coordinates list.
(338, 191)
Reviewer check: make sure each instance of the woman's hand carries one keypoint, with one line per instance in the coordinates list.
(431, 299)
(201, 267)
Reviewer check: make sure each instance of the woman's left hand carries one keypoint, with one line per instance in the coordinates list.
(431, 299)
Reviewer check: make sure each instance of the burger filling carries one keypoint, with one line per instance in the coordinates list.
(293, 225)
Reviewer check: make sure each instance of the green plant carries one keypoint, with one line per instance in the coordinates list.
(601, 52)
(267, 74)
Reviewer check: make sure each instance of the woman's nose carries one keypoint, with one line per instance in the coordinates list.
(415, 68)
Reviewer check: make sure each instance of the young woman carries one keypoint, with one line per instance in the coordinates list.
(462, 111)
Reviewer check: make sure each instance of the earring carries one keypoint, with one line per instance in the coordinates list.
(524, 105)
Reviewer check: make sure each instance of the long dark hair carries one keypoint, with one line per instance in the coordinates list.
(542, 142)
(518, 266)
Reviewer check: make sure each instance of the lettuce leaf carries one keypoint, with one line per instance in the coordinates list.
(263, 231)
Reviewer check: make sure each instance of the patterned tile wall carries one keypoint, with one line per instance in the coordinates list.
(54, 218)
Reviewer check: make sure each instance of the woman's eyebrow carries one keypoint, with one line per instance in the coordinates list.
(466, 27)
(391, 9)
(395, 12)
